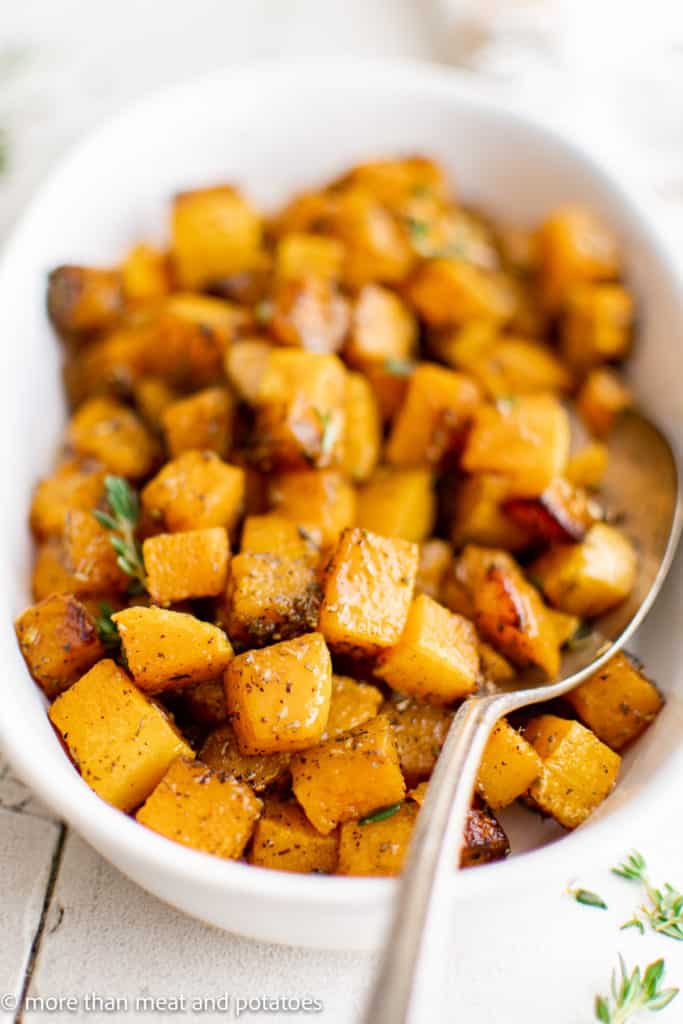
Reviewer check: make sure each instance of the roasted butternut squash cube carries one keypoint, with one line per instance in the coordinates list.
(510, 615)
(526, 440)
(438, 404)
(168, 650)
(310, 313)
(111, 364)
(587, 466)
(437, 657)
(202, 809)
(452, 291)
(260, 771)
(153, 395)
(50, 575)
(579, 771)
(596, 325)
(352, 704)
(194, 491)
(396, 183)
(59, 641)
(419, 731)
(145, 274)
(272, 597)
(602, 397)
(508, 766)
(574, 247)
(367, 591)
(300, 411)
(377, 847)
(186, 565)
(215, 233)
(479, 516)
(589, 578)
(363, 430)
(618, 702)
(563, 513)
(348, 776)
(382, 328)
(82, 299)
(484, 838)
(202, 422)
(307, 212)
(191, 335)
(436, 557)
(300, 254)
(121, 742)
(323, 502)
(279, 697)
(389, 382)
(398, 503)
(115, 436)
(72, 485)
(377, 247)
(273, 534)
(245, 364)
(89, 556)
(285, 841)
(516, 366)
(493, 667)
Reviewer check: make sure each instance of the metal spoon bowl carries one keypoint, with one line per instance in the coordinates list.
(642, 489)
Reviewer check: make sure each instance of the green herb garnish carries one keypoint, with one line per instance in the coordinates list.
(417, 229)
(106, 629)
(121, 520)
(330, 430)
(588, 898)
(631, 993)
(398, 367)
(382, 814)
(664, 909)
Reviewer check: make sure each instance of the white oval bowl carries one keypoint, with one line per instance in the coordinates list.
(275, 129)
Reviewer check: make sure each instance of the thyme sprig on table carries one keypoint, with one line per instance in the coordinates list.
(121, 520)
(631, 993)
(587, 898)
(664, 909)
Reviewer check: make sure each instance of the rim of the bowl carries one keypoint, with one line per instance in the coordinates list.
(106, 828)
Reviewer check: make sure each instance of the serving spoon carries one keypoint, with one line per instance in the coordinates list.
(642, 488)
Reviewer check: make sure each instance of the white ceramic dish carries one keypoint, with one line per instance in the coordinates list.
(275, 129)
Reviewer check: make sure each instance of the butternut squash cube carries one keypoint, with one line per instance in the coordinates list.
(419, 731)
(204, 422)
(89, 555)
(285, 841)
(589, 578)
(438, 404)
(59, 641)
(596, 325)
(617, 702)
(579, 771)
(526, 440)
(70, 486)
(245, 364)
(300, 254)
(153, 395)
(260, 771)
(377, 847)
(437, 657)
(348, 776)
(574, 247)
(389, 382)
(479, 516)
(352, 703)
(279, 697)
(186, 565)
(452, 291)
(194, 491)
(145, 274)
(168, 650)
(484, 838)
(323, 502)
(382, 328)
(121, 742)
(494, 668)
(367, 591)
(586, 467)
(215, 233)
(272, 597)
(202, 809)
(310, 313)
(398, 503)
(515, 366)
(82, 299)
(436, 557)
(273, 534)
(602, 397)
(565, 625)
(191, 335)
(115, 436)
(377, 248)
(50, 575)
(363, 431)
(563, 513)
(508, 766)
(396, 183)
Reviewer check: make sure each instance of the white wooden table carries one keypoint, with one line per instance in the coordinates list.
(72, 927)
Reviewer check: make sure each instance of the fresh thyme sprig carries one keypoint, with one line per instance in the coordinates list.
(664, 910)
(106, 629)
(630, 993)
(382, 814)
(121, 521)
(587, 898)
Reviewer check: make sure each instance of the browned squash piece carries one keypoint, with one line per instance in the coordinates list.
(479, 517)
(82, 299)
(438, 404)
(436, 557)
(398, 503)
(494, 668)
(602, 397)
(203, 421)
(579, 771)
(484, 840)
(202, 809)
(322, 503)
(275, 534)
(307, 212)
(272, 597)
(111, 433)
(526, 440)
(367, 591)
(618, 702)
(437, 657)
(89, 555)
(145, 274)
(587, 466)
(284, 840)
(215, 233)
(377, 248)
(508, 766)
(279, 697)
(363, 430)
(50, 575)
(245, 364)
(561, 514)
(168, 650)
(575, 247)
(596, 325)
(205, 704)
(112, 364)
(352, 704)
(396, 183)
(59, 641)
(589, 578)
(186, 565)
(121, 742)
(452, 291)
(310, 313)
(377, 847)
(152, 396)
(190, 336)
(194, 491)
(260, 771)
(348, 776)
(382, 329)
(73, 485)
(512, 366)
(419, 733)
(301, 254)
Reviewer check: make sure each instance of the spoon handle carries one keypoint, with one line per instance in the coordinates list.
(421, 923)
